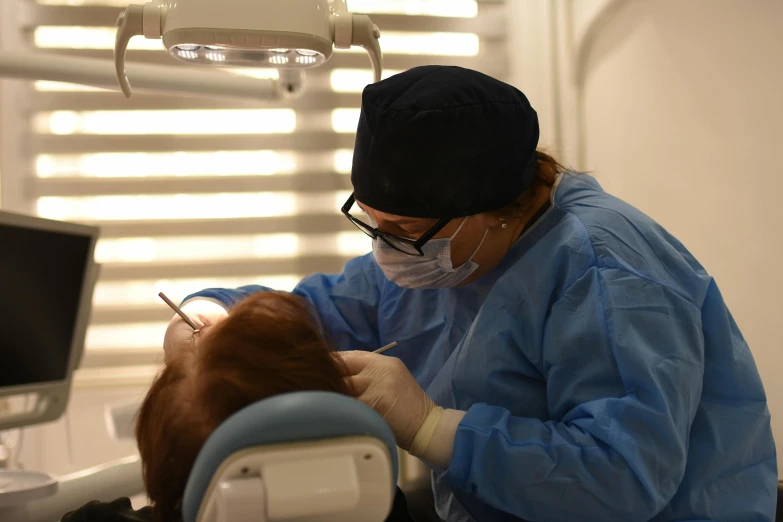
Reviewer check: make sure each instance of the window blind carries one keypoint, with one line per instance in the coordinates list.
(191, 192)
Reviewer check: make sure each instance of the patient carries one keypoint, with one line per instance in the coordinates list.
(271, 343)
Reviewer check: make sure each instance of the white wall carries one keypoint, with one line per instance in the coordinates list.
(683, 117)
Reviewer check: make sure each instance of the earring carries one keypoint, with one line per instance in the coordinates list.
(504, 225)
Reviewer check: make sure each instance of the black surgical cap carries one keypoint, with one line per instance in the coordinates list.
(443, 142)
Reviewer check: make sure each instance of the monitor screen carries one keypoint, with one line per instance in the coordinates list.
(41, 279)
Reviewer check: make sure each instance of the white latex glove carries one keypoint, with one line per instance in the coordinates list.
(386, 385)
(420, 426)
(179, 335)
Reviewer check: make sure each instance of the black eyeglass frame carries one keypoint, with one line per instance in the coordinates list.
(389, 239)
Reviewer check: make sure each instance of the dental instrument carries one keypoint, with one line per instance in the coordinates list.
(179, 312)
(384, 348)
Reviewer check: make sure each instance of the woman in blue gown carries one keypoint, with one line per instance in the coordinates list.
(561, 356)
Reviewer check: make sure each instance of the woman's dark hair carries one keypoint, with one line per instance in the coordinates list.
(270, 343)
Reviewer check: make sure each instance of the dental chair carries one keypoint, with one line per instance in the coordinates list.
(300, 457)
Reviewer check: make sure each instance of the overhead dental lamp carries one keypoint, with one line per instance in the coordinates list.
(281, 34)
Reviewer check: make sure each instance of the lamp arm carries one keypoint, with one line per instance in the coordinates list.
(160, 78)
(353, 30)
(366, 35)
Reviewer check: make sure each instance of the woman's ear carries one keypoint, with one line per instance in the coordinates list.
(489, 220)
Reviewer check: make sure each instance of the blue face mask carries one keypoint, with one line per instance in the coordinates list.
(432, 270)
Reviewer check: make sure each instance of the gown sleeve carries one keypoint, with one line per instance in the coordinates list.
(623, 359)
(347, 303)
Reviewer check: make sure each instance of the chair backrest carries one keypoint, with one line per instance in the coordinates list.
(300, 417)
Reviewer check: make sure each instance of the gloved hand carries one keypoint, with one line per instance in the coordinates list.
(386, 385)
(179, 335)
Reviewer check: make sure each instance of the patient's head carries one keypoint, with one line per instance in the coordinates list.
(269, 344)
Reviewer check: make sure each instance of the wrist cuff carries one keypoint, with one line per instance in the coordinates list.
(427, 430)
(439, 438)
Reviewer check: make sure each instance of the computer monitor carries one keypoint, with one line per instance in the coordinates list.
(47, 277)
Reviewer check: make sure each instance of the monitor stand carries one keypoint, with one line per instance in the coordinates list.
(19, 486)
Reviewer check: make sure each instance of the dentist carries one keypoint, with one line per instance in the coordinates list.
(561, 356)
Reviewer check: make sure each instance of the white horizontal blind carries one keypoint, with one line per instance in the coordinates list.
(192, 192)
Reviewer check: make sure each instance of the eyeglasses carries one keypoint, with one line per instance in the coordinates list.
(405, 245)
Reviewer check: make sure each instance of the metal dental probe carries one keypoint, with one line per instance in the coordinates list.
(179, 311)
(384, 348)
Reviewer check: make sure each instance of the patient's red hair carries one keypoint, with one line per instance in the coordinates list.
(271, 343)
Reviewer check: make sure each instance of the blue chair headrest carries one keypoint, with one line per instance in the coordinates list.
(291, 417)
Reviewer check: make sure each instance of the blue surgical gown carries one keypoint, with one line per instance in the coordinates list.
(602, 374)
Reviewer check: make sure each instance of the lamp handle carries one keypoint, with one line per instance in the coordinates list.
(129, 24)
